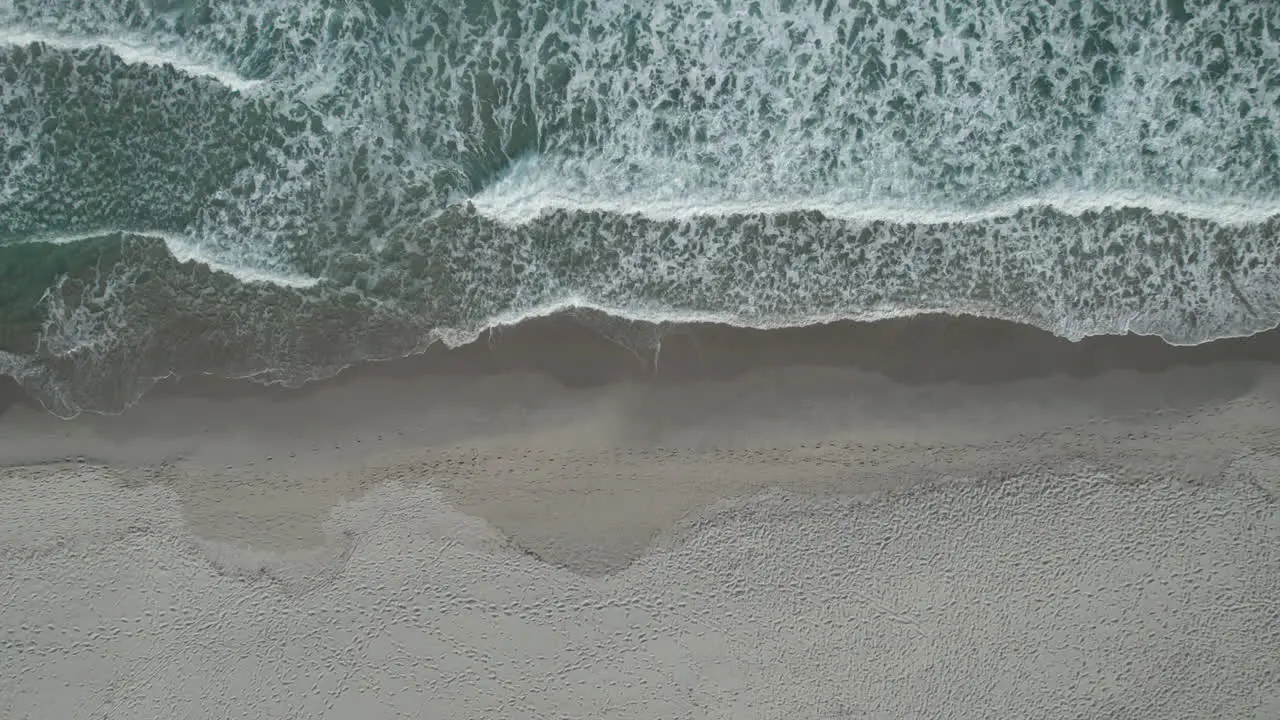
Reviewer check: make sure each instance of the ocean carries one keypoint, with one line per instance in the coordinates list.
(279, 189)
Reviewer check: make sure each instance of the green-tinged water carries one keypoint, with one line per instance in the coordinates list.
(280, 189)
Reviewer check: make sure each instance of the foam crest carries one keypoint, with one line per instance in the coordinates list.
(530, 191)
(660, 316)
(960, 106)
(184, 250)
(133, 52)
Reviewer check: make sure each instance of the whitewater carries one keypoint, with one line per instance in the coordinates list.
(279, 190)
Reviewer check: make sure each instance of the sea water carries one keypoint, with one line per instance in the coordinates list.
(277, 189)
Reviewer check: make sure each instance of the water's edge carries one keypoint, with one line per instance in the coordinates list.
(90, 322)
(585, 348)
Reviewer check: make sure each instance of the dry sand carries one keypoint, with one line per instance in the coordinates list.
(918, 518)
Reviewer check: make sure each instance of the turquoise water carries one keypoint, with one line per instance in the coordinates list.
(279, 189)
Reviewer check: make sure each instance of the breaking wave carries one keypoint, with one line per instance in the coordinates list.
(277, 190)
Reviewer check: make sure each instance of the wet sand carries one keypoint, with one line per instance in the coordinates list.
(924, 517)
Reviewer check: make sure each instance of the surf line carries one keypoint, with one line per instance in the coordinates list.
(132, 53)
(185, 250)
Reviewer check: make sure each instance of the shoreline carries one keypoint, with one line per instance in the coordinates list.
(551, 405)
(574, 348)
(546, 500)
(613, 360)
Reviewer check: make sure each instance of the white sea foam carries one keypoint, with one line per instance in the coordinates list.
(133, 52)
(531, 189)
(186, 250)
(455, 337)
(925, 116)
(952, 112)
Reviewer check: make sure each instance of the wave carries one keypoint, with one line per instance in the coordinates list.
(525, 194)
(673, 317)
(133, 52)
(415, 173)
(184, 250)
(644, 327)
(648, 324)
(134, 307)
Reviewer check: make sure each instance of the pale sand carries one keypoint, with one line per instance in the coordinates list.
(927, 518)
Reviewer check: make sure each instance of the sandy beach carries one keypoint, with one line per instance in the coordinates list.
(933, 517)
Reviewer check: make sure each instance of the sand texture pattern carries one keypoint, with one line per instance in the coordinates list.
(934, 518)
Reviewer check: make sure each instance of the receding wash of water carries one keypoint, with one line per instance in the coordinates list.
(278, 189)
